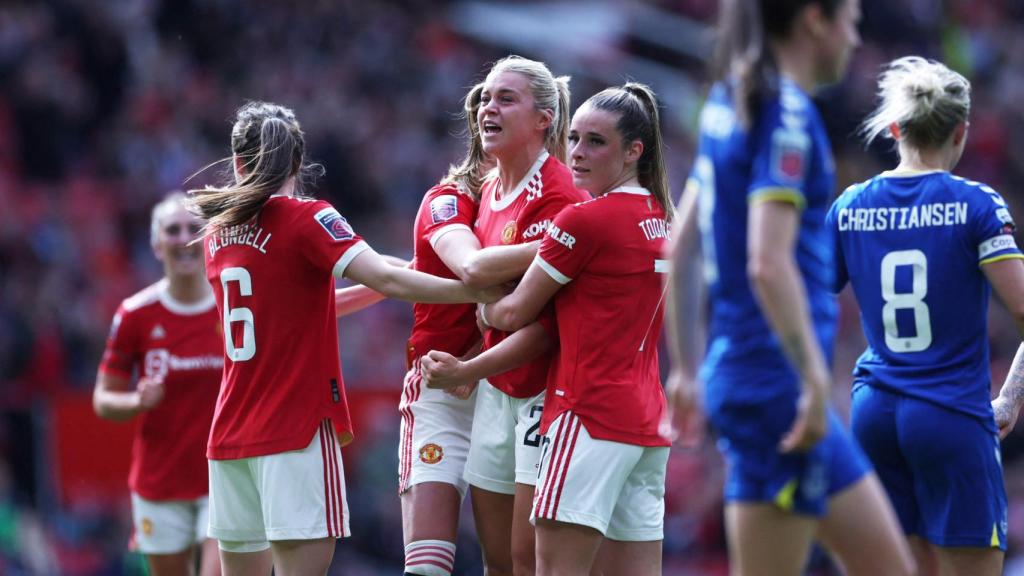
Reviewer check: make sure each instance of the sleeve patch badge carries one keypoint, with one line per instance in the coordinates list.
(444, 208)
(789, 155)
(334, 224)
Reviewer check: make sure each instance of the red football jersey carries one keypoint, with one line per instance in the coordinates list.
(275, 292)
(152, 335)
(608, 254)
(523, 216)
(447, 327)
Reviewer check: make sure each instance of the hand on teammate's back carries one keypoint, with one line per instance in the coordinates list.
(810, 424)
(1006, 412)
(684, 419)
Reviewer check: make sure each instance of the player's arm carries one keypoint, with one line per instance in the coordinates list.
(1007, 277)
(371, 270)
(442, 370)
(682, 323)
(355, 298)
(524, 304)
(779, 289)
(495, 264)
(113, 398)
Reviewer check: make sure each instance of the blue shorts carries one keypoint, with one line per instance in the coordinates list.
(802, 482)
(942, 469)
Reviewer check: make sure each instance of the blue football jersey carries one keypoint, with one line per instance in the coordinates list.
(783, 156)
(912, 246)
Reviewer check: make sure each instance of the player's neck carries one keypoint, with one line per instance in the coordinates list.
(796, 64)
(913, 160)
(188, 289)
(513, 168)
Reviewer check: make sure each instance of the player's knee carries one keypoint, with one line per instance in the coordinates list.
(430, 558)
(524, 559)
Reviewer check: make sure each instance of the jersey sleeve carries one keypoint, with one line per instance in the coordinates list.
(570, 243)
(121, 352)
(782, 151)
(328, 240)
(992, 227)
(840, 276)
(447, 210)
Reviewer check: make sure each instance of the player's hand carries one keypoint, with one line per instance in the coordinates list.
(810, 424)
(462, 391)
(151, 392)
(1006, 412)
(441, 370)
(684, 419)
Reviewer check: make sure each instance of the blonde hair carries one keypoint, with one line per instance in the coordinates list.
(549, 93)
(270, 144)
(924, 98)
(168, 204)
(468, 176)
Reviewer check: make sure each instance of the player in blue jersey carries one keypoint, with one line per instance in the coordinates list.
(758, 193)
(919, 246)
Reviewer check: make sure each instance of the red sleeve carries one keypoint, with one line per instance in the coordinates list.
(548, 320)
(328, 239)
(121, 353)
(446, 210)
(569, 244)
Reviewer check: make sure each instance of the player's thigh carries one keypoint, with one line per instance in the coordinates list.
(430, 511)
(566, 549)
(177, 564)
(209, 558)
(246, 562)
(766, 541)
(970, 561)
(302, 557)
(616, 558)
(523, 536)
(492, 514)
(860, 518)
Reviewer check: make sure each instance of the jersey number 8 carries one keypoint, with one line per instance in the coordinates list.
(240, 314)
(913, 300)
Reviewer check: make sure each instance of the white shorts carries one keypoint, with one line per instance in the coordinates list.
(617, 489)
(505, 446)
(297, 495)
(434, 440)
(168, 526)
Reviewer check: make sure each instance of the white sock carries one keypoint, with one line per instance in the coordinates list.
(430, 558)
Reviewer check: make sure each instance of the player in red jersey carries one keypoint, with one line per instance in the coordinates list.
(272, 255)
(169, 335)
(600, 492)
(523, 121)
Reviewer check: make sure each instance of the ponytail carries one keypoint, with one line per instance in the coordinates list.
(268, 146)
(651, 171)
(557, 140)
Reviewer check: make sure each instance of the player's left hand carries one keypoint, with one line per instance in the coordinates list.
(1006, 412)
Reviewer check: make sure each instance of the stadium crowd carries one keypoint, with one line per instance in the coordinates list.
(106, 106)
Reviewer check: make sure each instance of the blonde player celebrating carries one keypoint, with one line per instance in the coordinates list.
(168, 334)
(276, 476)
(523, 121)
(600, 491)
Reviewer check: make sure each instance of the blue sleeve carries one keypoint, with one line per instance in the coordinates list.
(841, 277)
(782, 152)
(991, 225)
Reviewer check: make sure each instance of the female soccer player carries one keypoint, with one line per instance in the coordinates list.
(760, 187)
(918, 244)
(168, 333)
(523, 122)
(272, 255)
(602, 472)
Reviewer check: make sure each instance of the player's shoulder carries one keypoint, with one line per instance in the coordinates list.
(148, 296)
(852, 193)
(790, 109)
(970, 189)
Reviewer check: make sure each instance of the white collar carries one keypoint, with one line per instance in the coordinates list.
(638, 190)
(507, 201)
(908, 173)
(182, 308)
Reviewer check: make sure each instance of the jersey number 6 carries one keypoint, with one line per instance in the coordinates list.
(240, 314)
